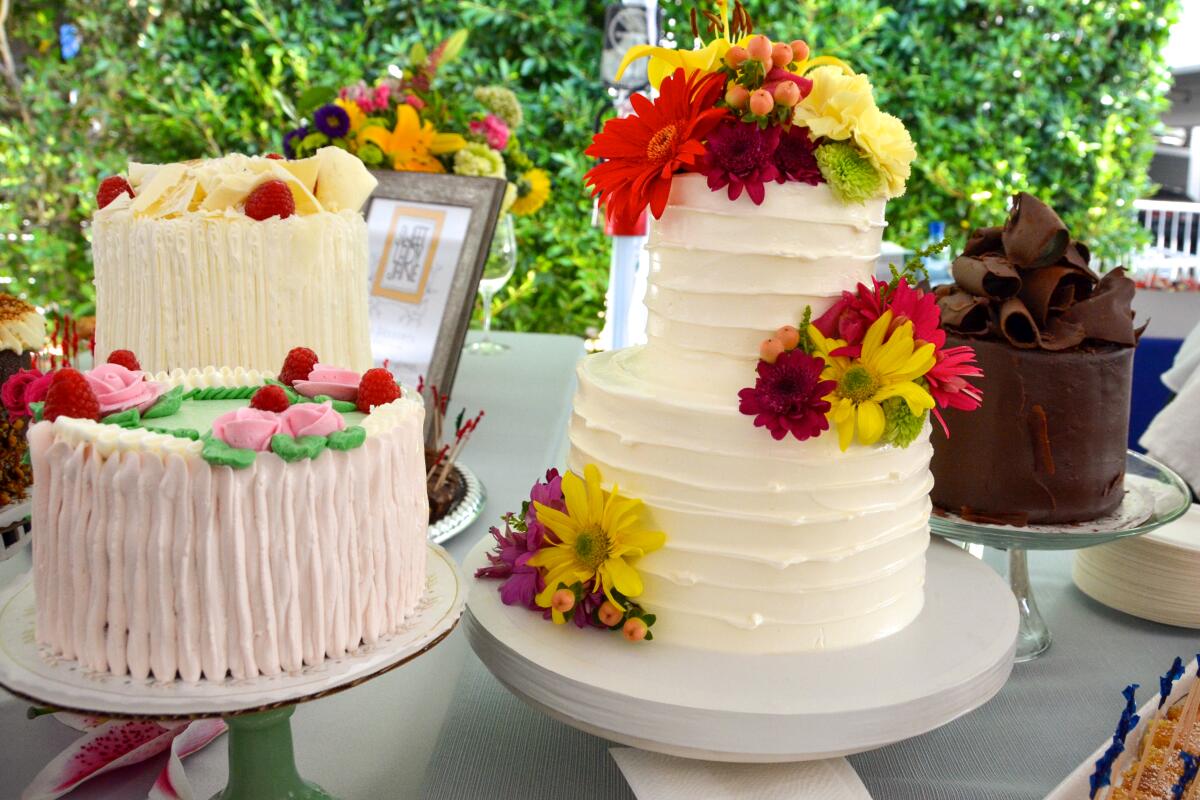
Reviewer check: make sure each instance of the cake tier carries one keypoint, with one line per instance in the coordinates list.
(725, 274)
(772, 546)
(150, 560)
(222, 288)
(1048, 444)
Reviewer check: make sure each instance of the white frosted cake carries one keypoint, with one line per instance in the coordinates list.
(214, 522)
(185, 278)
(771, 545)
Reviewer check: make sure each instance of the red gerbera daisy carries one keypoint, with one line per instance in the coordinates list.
(789, 396)
(947, 381)
(644, 151)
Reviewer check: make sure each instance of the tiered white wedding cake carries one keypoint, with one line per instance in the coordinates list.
(771, 545)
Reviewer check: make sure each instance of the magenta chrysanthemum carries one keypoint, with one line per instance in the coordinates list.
(789, 396)
(740, 155)
(515, 547)
(794, 159)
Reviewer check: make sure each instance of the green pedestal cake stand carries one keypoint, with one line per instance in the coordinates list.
(262, 764)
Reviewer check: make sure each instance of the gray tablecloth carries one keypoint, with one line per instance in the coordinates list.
(442, 727)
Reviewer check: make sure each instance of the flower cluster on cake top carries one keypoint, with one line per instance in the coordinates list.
(747, 112)
(410, 121)
(873, 366)
(570, 555)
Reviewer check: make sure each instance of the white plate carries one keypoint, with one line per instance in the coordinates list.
(27, 672)
(761, 708)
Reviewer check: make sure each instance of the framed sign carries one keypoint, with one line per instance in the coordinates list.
(428, 239)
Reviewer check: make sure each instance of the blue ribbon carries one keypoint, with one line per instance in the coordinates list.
(1191, 764)
(1167, 682)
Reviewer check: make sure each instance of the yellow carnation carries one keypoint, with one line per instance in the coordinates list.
(885, 141)
(835, 104)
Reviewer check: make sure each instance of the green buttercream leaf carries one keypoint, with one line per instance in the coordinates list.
(36, 410)
(901, 426)
(290, 449)
(217, 452)
(344, 406)
(347, 439)
(178, 433)
(167, 405)
(129, 418)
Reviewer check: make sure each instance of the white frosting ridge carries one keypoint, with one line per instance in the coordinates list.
(772, 546)
(150, 561)
(226, 289)
(213, 377)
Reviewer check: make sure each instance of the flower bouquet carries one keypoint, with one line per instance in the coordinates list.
(408, 122)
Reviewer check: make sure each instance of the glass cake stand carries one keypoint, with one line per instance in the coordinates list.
(1154, 496)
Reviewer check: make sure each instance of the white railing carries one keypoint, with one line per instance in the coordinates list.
(1174, 250)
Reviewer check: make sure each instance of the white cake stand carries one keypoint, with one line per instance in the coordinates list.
(761, 708)
(261, 760)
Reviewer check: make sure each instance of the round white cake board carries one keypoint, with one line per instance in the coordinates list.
(26, 671)
(761, 708)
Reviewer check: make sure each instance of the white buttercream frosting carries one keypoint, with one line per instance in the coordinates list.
(152, 562)
(184, 278)
(771, 545)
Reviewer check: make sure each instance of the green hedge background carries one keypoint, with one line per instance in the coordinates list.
(1059, 98)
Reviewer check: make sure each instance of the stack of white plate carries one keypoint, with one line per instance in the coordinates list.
(1152, 576)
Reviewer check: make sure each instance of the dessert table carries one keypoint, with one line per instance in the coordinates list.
(443, 728)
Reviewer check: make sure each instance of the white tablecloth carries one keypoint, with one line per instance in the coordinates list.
(442, 727)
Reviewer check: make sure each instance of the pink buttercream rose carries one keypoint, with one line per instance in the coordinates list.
(247, 428)
(493, 129)
(13, 393)
(312, 419)
(35, 390)
(119, 389)
(335, 382)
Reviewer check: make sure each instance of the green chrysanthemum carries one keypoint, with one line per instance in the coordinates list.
(901, 426)
(848, 172)
(370, 154)
(480, 160)
(503, 103)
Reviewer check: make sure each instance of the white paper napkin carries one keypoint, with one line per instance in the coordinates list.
(1174, 435)
(654, 776)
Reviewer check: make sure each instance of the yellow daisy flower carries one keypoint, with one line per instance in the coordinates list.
(412, 144)
(885, 369)
(597, 534)
(533, 192)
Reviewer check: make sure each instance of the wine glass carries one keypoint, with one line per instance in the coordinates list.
(501, 261)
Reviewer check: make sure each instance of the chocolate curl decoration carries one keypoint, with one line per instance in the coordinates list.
(1034, 236)
(1052, 288)
(1017, 325)
(988, 276)
(964, 312)
(984, 242)
(1029, 284)
(1106, 314)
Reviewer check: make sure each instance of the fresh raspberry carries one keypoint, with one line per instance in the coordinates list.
(297, 366)
(111, 188)
(270, 398)
(376, 388)
(270, 199)
(276, 156)
(125, 358)
(70, 396)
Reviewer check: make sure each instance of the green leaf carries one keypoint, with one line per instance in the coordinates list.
(129, 418)
(313, 98)
(168, 404)
(291, 449)
(347, 439)
(217, 452)
(36, 410)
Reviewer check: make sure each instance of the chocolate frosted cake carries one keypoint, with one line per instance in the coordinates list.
(1055, 343)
